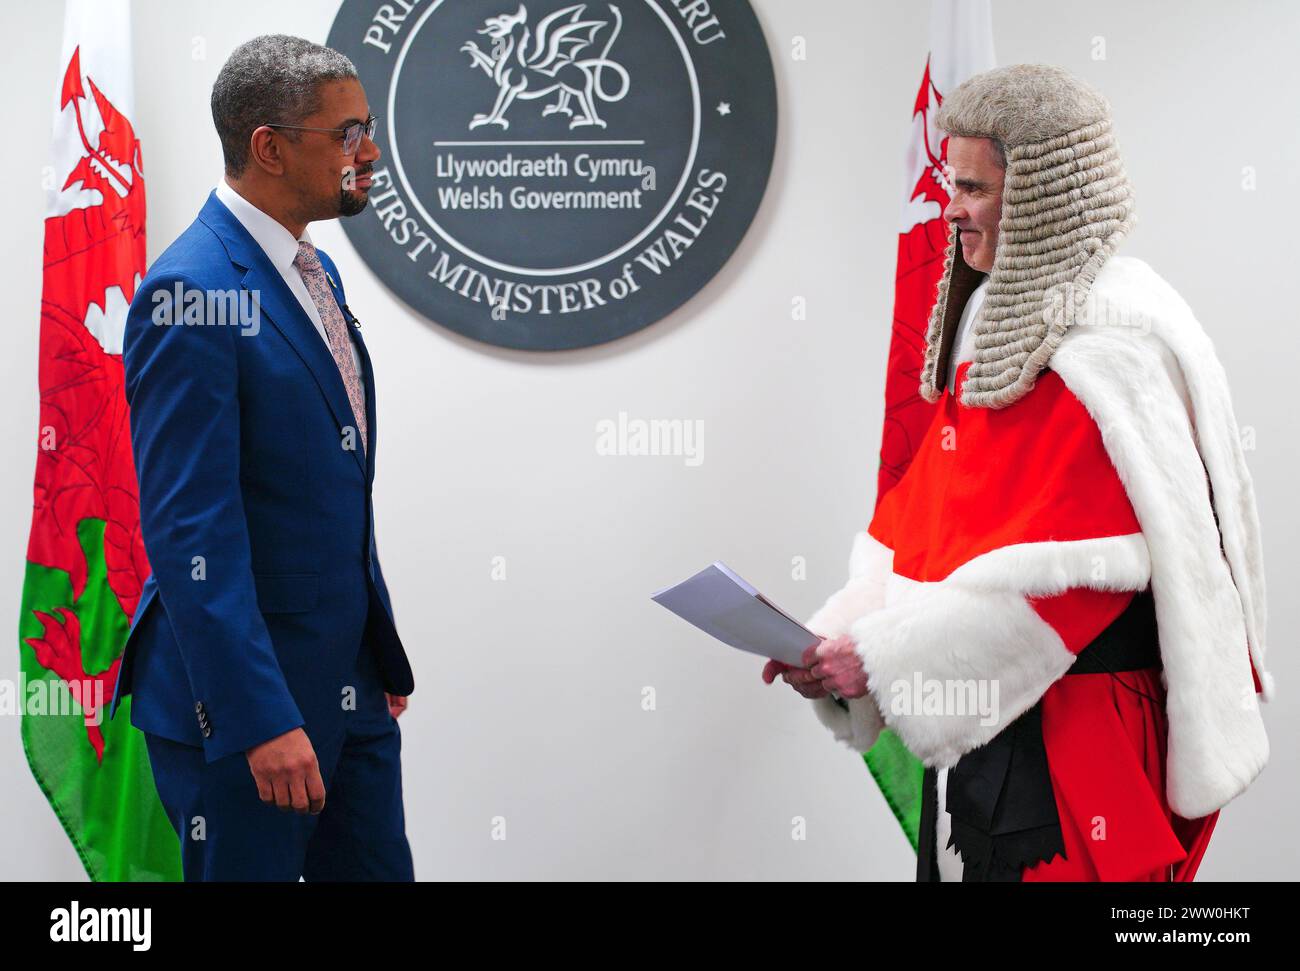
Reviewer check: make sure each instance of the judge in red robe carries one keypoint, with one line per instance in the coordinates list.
(1060, 606)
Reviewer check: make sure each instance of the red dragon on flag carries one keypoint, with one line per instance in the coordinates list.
(961, 44)
(85, 557)
(921, 245)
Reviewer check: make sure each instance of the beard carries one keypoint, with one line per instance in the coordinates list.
(352, 201)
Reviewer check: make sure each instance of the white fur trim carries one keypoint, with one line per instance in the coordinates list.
(976, 628)
(958, 638)
(974, 625)
(869, 567)
(869, 564)
(1136, 381)
(1044, 569)
(858, 727)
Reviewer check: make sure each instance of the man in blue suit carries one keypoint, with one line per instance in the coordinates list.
(265, 666)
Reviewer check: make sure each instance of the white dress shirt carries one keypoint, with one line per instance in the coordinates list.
(963, 341)
(281, 249)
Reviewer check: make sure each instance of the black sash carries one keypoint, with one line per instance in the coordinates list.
(999, 796)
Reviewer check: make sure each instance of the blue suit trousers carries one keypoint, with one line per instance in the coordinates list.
(228, 833)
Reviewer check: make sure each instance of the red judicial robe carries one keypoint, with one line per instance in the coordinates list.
(1105, 734)
(1018, 534)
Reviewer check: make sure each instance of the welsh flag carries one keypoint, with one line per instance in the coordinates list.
(85, 556)
(961, 45)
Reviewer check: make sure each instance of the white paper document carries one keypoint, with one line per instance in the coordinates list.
(722, 604)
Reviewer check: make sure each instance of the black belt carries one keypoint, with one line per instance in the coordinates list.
(999, 796)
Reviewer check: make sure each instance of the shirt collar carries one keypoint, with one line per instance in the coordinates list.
(277, 242)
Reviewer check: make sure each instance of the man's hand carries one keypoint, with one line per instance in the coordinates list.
(287, 772)
(396, 704)
(801, 679)
(837, 666)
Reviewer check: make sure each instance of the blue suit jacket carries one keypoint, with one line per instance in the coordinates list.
(257, 519)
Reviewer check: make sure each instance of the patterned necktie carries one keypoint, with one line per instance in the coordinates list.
(336, 330)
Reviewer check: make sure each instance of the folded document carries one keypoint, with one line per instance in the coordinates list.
(722, 604)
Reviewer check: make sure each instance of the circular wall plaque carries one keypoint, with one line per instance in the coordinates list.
(556, 175)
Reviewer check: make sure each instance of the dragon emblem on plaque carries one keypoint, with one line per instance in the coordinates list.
(530, 63)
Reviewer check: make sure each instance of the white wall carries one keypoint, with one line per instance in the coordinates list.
(528, 699)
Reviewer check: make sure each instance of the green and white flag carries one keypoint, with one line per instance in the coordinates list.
(961, 45)
(85, 556)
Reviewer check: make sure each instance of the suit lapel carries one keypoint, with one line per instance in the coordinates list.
(368, 380)
(277, 304)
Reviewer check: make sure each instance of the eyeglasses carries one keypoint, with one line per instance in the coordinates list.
(351, 135)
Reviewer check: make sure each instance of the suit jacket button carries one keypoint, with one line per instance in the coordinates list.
(207, 731)
(198, 706)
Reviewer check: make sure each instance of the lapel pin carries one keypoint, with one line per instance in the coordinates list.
(356, 324)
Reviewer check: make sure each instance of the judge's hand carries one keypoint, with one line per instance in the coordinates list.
(837, 666)
(801, 679)
(807, 680)
(287, 772)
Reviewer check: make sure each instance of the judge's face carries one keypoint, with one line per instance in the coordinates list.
(976, 205)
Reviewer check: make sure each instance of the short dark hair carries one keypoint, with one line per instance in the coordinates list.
(270, 80)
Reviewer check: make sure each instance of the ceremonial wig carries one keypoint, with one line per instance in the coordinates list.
(1066, 205)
